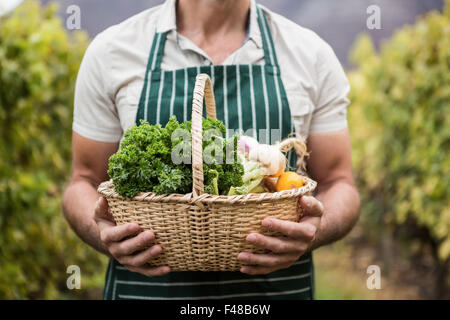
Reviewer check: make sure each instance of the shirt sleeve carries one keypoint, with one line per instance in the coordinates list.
(330, 113)
(95, 113)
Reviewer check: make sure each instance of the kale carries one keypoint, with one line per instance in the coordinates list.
(144, 162)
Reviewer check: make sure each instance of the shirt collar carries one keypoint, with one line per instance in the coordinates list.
(254, 32)
(167, 21)
(167, 17)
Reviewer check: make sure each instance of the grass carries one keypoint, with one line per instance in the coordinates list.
(337, 278)
(341, 272)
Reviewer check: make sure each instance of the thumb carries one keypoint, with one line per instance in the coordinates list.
(311, 206)
(102, 209)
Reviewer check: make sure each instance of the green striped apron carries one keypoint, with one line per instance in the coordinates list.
(247, 97)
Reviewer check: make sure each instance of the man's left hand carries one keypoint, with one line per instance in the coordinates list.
(296, 241)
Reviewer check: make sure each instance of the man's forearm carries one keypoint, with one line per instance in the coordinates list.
(341, 203)
(78, 205)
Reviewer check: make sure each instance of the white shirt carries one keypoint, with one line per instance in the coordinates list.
(112, 72)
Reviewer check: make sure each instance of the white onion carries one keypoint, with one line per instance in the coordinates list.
(269, 156)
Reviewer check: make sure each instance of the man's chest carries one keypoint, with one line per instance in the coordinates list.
(180, 55)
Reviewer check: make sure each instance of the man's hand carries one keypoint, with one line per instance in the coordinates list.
(297, 240)
(89, 216)
(125, 244)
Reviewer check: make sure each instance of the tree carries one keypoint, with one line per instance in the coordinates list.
(401, 127)
(39, 61)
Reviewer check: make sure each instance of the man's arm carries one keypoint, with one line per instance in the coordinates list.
(89, 216)
(89, 169)
(331, 166)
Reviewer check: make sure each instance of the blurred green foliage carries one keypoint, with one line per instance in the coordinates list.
(400, 122)
(39, 61)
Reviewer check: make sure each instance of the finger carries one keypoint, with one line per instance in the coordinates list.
(101, 214)
(117, 233)
(311, 206)
(141, 258)
(102, 209)
(293, 230)
(267, 260)
(315, 221)
(150, 271)
(130, 246)
(277, 245)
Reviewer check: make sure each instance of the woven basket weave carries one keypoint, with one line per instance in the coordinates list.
(198, 231)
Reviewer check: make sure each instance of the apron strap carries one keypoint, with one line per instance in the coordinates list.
(160, 45)
(270, 55)
(154, 63)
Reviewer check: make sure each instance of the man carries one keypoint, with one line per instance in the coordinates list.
(268, 73)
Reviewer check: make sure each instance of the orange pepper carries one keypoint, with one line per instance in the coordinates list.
(289, 180)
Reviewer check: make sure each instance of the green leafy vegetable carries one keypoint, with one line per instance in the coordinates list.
(158, 159)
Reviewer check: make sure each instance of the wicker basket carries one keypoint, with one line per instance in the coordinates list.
(198, 231)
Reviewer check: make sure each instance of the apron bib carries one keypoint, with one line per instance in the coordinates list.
(252, 100)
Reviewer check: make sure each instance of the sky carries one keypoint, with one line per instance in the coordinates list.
(8, 5)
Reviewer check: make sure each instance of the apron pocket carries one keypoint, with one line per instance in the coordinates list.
(301, 111)
(130, 105)
(133, 94)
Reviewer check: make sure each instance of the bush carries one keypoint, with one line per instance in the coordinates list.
(38, 66)
(400, 122)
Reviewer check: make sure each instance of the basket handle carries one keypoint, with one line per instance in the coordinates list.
(203, 89)
(300, 148)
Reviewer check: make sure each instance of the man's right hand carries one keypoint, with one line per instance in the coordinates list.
(125, 244)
